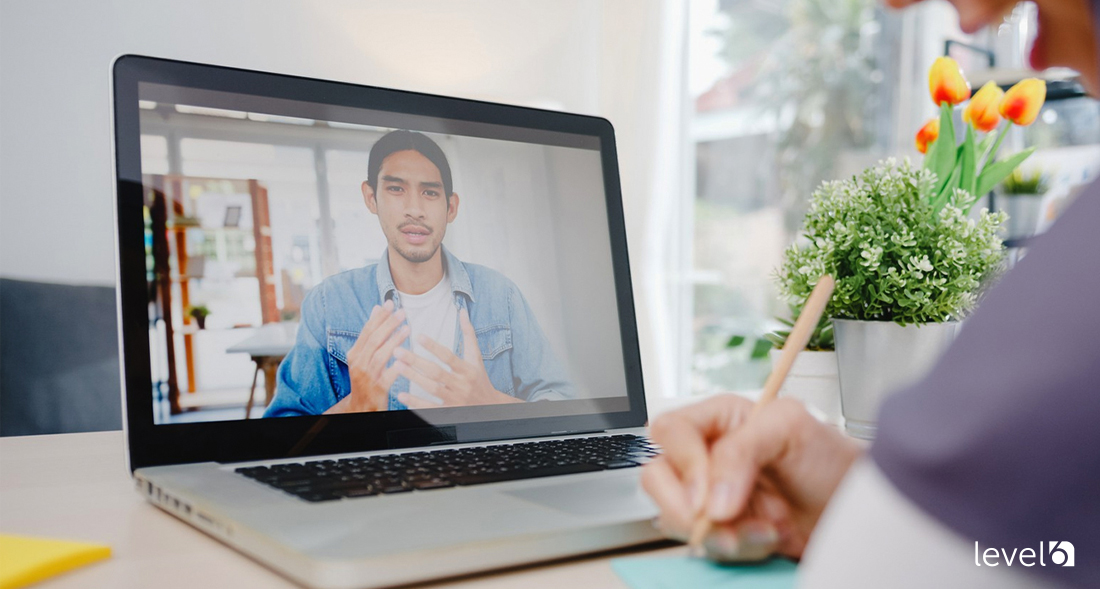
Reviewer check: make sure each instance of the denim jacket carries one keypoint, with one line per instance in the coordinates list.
(314, 375)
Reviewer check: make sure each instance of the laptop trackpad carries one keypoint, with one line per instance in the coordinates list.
(603, 497)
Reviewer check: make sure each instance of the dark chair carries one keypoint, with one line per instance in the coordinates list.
(58, 359)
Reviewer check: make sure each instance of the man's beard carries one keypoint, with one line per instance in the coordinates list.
(417, 257)
(414, 256)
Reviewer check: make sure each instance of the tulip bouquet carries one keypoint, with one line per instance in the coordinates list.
(908, 259)
(965, 172)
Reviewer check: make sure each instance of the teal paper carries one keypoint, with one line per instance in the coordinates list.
(679, 572)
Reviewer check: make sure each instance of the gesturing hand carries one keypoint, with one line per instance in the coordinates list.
(367, 359)
(765, 481)
(466, 383)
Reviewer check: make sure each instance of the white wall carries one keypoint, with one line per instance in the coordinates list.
(615, 58)
(55, 59)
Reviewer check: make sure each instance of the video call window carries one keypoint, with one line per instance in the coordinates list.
(302, 266)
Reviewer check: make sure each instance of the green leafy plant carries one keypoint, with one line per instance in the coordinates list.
(821, 340)
(896, 253)
(198, 311)
(1018, 182)
(760, 345)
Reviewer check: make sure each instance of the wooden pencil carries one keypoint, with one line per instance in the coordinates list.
(796, 342)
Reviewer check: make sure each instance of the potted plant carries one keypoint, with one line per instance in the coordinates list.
(907, 259)
(1021, 197)
(813, 378)
(199, 312)
(904, 274)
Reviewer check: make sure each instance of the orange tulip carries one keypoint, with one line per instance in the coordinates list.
(946, 82)
(927, 134)
(982, 111)
(1022, 102)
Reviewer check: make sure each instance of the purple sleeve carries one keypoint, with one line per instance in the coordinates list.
(1001, 441)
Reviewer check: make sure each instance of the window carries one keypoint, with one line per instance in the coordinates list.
(787, 93)
(784, 94)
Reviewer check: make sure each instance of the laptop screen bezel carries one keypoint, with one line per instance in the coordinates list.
(241, 440)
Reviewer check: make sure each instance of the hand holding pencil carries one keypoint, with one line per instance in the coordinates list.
(750, 480)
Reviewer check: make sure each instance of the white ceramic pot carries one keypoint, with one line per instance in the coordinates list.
(814, 380)
(877, 358)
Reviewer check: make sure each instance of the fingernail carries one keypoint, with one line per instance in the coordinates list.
(722, 544)
(721, 501)
(400, 314)
(388, 305)
(763, 535)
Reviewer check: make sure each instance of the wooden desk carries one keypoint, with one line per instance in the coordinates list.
(76, 487)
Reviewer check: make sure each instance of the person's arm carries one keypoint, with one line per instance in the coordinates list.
(1001, 441)
(538, 373)
(303, 384)
(873, 536)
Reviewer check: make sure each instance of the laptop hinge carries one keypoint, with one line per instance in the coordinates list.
(422, 436)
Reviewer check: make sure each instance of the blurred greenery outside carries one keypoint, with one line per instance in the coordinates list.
(808, 92)
(806, 74)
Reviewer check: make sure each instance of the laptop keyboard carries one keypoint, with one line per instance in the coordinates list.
(331, 480)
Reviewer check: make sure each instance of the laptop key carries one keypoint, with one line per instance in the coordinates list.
(319, 496)
(621, 464)
(432, 484)
(354, 492)
(515, 475)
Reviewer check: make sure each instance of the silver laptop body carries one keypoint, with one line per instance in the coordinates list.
(397, 539)
(189, 467)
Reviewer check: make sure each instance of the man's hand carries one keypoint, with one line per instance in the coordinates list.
(762, 482)
(367, 359)
(466, 383)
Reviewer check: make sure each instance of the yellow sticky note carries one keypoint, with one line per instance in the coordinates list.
(28, 560)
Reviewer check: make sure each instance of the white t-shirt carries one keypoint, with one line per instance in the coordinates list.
(433, 314)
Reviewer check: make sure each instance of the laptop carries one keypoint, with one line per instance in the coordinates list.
(373, 337)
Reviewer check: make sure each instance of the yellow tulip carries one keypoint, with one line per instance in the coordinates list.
(927, 134)
(946, 82)
(982, 111)
(1022, 102)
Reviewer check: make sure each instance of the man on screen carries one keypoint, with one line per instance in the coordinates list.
(420, 328)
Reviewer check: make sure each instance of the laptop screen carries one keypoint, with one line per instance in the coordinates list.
(308, 258)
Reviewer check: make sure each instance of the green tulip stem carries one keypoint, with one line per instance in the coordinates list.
(992, 153)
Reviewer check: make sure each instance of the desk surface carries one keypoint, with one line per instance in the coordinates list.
(76, 487)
